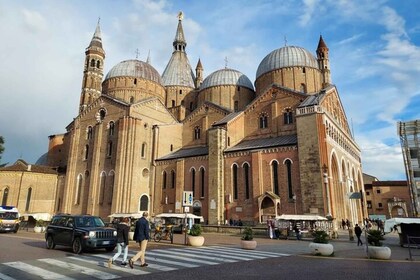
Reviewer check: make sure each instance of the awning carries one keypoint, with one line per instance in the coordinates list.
(301, 218)
(355, 195)
(180, 216)
(128, 215)
(389, 224)
(38, 216)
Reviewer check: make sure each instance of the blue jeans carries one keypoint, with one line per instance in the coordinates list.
(121, 246)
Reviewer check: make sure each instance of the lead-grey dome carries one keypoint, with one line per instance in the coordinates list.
(136, 69)
(226, 77)
(286, 57)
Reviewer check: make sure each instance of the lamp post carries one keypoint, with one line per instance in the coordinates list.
(327, 191)
(294, 201)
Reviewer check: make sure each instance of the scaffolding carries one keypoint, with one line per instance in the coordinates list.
(409, 133)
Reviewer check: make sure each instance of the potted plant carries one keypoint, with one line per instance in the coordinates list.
(376, 250)
(131, 232)
(39, 226)
(194, 236)
(320, 245)
(247, 240)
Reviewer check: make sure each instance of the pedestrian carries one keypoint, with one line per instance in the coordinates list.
(141, 236)
(343, 224)
(358, 232)
(297, 231)
(348, 223)
(123, 228)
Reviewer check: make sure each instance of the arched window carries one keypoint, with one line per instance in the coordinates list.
(202, 177)
(173, 103)
(79, 189)
(235, 181)
(288, 117)
(180, 91)
(102, 186)
(131, 100)
(191, 106)
(92, 63)
(109, 149)
(288, 164)
(197, 131)
(171, 148)
(173, 179)
(275, 177)
(144, 203)
(143, 150)
(246, 174)
(263, 121)
(135, 81)
(102, 114)
(28, 199)
(303, 87)
(111, 187)
(193, 181)
(89, 133)
(98, 64)
(164, 180)
(5, 196)
(111, 128)
(236, 106)
(86, 152)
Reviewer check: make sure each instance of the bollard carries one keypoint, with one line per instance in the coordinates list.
(351, 236)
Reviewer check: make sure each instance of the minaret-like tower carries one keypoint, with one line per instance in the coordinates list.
(199, 74)
(93, 70)
(323, 61)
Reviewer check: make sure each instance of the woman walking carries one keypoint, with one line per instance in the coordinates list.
(122, 243)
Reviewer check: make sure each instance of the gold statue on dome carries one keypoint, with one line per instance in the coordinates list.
(180, 15)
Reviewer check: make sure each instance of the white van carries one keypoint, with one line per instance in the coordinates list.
(9, 219)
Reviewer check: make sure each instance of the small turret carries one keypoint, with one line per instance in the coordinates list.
(323, 62)
(93, 70)
(199, 74)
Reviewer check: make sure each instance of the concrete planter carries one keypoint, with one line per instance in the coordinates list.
(248, 244)
(321, 249)
(195, 241)
(38, 229)
(131, 235)
(381, 253)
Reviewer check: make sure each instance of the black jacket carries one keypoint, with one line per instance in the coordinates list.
(357, 230)
(122, 233)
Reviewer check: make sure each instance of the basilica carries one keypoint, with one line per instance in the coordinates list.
(246, 150)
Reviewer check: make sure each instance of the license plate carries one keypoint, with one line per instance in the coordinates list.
(105, 242)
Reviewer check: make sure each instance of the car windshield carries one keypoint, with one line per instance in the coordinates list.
(89, 222)
(9, 215)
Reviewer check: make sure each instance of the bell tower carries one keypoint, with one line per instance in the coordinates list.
(323, 62)
(93, 70)
(198, 74)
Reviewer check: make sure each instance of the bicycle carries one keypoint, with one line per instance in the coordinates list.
(164, 233)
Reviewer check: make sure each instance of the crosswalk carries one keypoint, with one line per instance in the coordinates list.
(94, 266)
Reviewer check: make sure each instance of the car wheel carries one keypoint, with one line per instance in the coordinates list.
(157, 237)
(77, 246)
(50, 242)
(110, 249)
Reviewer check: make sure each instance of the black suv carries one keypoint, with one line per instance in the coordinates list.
(81, 232)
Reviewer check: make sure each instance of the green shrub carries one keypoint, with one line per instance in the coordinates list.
(247, 234)
(39, 223)
(320, 236)
(374, 237)
(195, 230)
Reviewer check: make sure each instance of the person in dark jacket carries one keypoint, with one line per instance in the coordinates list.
(358, 232)
(122, 243)
(141, 236)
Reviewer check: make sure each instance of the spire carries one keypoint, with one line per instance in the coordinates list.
(97, 37)
(323, 61)
(179, 41)
(321, 43)
(148, 58)
(199, 65)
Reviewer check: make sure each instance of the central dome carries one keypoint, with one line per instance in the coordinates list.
(286, 57)
(226, 77)
(136, 69)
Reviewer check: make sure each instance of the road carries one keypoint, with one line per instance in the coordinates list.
(23, 256)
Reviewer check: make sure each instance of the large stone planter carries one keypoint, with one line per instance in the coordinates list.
(38, 229)
(321, 249)
(248, 244)
(195, 241)
(131, 235)
(381, 253)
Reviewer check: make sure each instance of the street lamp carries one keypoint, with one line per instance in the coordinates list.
(327, 192)
(294, 201)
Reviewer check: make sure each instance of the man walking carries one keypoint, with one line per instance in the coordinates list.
(141, 236)
(358, 232)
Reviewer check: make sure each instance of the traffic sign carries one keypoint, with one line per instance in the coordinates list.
(187, 198)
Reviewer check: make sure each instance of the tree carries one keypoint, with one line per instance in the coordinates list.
(1, 147)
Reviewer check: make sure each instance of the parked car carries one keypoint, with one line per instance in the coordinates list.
(80, 232)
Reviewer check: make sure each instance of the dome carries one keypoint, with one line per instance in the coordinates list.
(286, 57)
(135, 68)
(226, 77)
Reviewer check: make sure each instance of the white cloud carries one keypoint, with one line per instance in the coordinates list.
(34, 21)
(309, 8)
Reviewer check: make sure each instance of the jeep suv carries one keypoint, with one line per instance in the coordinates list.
(81, 232)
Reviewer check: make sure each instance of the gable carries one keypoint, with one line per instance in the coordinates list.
(331, 103)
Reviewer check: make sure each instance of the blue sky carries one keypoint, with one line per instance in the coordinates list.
(374, 56)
